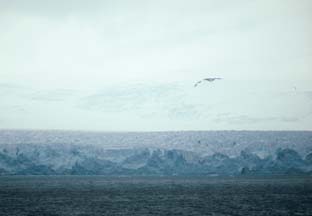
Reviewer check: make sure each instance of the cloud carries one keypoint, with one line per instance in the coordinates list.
(117, 41)
(49, 8)
(131, 97)
(245, 119)
(308, 94)
(54, 95)
(185, 112)
(9, 90)
(75, 61)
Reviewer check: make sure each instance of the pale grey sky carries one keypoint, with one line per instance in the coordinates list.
(131, 65)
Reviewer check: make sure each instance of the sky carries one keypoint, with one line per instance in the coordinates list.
(132, 65)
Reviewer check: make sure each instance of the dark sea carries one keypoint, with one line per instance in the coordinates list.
(99, 195)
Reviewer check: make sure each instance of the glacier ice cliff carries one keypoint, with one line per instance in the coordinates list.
(69, 153)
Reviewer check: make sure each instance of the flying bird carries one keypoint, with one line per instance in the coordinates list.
(210, 79)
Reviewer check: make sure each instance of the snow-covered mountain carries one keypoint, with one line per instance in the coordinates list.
(162, 153)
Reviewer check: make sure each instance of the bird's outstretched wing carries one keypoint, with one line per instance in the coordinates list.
(196, 84)
(210, 79)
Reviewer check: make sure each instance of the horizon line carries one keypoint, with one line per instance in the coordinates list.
(149, 131)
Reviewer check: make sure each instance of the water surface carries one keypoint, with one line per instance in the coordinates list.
(99, 195)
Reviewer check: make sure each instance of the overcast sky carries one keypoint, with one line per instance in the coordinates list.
(131, 65)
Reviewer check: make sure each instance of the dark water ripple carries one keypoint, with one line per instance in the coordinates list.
(96, 195)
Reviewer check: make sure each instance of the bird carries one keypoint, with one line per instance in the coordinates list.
(210, 79)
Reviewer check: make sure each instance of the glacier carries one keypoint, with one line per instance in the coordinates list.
(207, 153)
